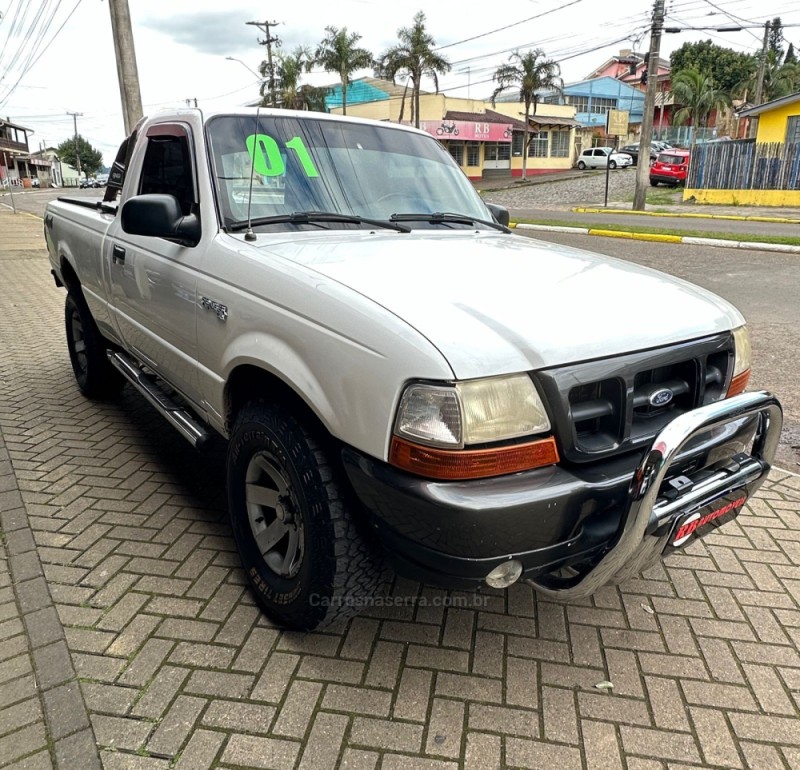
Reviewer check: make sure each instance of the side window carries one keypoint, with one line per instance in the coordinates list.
(168, 168)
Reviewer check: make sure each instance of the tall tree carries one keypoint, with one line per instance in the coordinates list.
(791, 56)
(292, 95)
(415, 57)
(91, 158)
(775, 44)
(698, 96)
(726, 67)
(530, 72)
(339, 52)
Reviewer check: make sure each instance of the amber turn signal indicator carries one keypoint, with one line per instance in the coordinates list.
(739, 383)
(453, 464)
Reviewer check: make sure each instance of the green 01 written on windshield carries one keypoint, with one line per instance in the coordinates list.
(269, 161)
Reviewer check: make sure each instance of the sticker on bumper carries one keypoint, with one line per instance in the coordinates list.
(718, 515)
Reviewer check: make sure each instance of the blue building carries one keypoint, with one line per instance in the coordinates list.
(593, 99)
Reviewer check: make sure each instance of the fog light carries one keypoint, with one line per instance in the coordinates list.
(508, 573)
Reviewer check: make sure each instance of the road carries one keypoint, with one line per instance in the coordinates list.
(34, 201)
(763, 285)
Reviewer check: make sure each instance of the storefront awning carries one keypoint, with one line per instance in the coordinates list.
(547, 120)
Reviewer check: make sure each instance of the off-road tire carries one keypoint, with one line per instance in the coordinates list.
(96, 377)
(341, 568)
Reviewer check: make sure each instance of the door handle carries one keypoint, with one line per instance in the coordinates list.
(118, 255)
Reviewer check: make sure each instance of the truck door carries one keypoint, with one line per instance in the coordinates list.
(153, 281)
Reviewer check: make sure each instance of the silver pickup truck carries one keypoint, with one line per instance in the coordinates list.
(401, 378)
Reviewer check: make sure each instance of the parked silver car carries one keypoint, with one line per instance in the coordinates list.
(597, 157)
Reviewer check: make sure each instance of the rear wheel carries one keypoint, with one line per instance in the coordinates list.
(95, 376)
(653, 183)
(306, 558)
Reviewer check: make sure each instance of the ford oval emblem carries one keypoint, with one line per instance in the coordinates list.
(661, 397)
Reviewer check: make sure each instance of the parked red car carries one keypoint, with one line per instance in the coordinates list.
(670, 168)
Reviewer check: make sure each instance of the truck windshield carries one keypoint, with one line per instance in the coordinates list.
(307, 164)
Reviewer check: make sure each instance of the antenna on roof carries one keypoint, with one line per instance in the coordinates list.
(249, 235)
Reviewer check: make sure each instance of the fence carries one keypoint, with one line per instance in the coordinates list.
(745, 165)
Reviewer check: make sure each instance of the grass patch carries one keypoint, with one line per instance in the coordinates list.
(660, 196)
(787, 240)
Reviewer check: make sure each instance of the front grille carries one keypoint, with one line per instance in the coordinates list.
(614, 405)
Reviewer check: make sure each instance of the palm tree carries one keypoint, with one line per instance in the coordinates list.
(289, 71)
(338, 52)
(779, 80)
(698, 95)
(414, 57)
(530, 72)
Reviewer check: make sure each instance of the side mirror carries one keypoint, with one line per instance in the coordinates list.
(160, 216)
(500, 213)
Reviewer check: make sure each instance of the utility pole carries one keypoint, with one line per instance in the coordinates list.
(75, 116)
(752, 126)
(127, 72)
(268, 42)
(643, 166)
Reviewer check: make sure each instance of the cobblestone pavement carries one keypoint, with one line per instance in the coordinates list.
(129, 641)
(586, 189)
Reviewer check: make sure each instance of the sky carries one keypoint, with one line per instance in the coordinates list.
(57, 56)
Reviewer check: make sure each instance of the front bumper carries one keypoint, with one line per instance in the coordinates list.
(610, 519)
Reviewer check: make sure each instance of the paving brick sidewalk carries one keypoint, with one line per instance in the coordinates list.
(144, 606)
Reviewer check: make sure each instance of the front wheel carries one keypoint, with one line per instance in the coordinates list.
(612, 164)
(95, 376)
(581, 165)
(304, 554)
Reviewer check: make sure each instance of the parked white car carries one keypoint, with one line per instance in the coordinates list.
(597, 157)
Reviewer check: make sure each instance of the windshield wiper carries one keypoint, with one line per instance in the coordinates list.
(443, 217)
(314, 217)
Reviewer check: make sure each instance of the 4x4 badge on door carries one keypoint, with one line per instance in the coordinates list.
(220, 309)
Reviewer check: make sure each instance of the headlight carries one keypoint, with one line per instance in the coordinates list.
(744, 351)
(472, 412)
(742, 361)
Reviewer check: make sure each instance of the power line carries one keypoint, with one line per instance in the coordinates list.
(507, 26)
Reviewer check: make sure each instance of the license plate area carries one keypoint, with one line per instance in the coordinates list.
(698, 522)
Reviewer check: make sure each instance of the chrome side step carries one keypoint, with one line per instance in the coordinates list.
(180, 418)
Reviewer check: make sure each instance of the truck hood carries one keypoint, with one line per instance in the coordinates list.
(496, 304)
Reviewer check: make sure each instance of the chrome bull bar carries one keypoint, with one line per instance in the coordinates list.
(648, 519)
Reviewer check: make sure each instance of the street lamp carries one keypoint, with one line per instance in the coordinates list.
(249, 69)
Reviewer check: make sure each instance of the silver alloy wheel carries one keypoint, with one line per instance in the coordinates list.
(79, 342)
(275, 519)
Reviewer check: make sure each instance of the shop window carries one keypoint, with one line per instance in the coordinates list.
(538, 146)
(473, 154)
(456, 149)
(595, 104)
(516, 143)
(559, 144)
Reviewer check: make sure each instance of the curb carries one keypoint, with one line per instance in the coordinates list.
(663, 238)
(53, 682)
(688, 215)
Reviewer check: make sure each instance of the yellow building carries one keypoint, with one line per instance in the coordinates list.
(485, 140)
(778, 120)
(773, 161)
